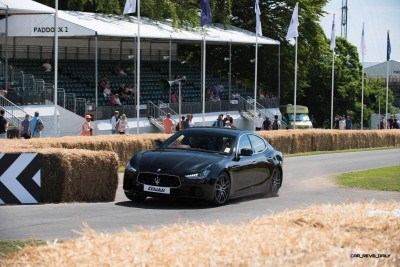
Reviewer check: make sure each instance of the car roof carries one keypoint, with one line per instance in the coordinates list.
(209, 129)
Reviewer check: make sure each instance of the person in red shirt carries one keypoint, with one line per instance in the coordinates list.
(168, 124)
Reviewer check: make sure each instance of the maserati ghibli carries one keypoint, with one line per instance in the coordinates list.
(214, 164)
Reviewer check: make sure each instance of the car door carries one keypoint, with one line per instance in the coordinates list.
(242, 168)
(262, 162)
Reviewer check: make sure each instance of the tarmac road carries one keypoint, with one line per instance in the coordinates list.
(306, 182)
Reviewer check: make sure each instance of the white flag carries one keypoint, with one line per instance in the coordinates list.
(363, 47)
(333, 37)
(294, 24)
(130, 6)
(258, 21)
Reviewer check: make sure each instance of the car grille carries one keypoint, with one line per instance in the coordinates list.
(163, 180)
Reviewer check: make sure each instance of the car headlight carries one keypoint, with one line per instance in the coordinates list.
(199, 175)
(129, 168)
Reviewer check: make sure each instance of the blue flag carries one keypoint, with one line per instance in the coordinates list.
(205, 12)
(389, 49)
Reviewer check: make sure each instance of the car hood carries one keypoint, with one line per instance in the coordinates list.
(172, 161)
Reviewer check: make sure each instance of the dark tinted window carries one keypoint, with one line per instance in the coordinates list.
(258, 143)
(244, 143)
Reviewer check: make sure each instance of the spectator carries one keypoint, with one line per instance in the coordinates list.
(114, 119)
(24, 128)
(313, 121)
(267, 124)
(36, 125)
(114, 101)
(129, 89)
(122, 125)
(259, 122)
(336, 122)
(103, 82)
(235, 96)
(208, 94)
(342, 123)
(396, 124)
(123, 96)
(382, 123)
(168, 124)
(349, 123)
(390, 121)
(3, 125)
(190, 120)
(219, 122)
(87, 129)
(174, 98)
(46, 66)
(276, 124)
(107, 91)
(228, 120)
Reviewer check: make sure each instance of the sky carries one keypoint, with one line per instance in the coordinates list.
(379, 17)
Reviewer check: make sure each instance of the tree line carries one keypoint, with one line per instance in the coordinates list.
(314, 54)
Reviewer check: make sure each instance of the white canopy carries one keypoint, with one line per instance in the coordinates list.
(24, 7)
(73, 23)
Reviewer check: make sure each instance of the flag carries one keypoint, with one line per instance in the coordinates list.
(388, 49)
(333, 41)
(130, 6)
(258, 21)
(363, 47)
(294, 24)
(205, 12)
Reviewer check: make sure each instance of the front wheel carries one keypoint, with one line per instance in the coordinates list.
(276, 182)
(222, 189)
(135, 196)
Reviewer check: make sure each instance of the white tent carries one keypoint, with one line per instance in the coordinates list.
(73, 23)
(24, 7)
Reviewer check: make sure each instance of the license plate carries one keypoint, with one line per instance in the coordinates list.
(156, 189)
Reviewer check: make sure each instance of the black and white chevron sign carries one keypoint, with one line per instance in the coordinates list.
(19, 178)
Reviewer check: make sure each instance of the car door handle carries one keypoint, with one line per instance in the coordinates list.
(270, 158)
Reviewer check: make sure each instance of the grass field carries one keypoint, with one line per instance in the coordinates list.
(13, 246)
(377, 179)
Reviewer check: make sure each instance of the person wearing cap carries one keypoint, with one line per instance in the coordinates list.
(87, 129)
(36, 125)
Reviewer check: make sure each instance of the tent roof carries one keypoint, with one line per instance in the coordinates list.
(74, 23)
(24, 7)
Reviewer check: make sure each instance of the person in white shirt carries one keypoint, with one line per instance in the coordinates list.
(259, 122)
(122, 125)
(342, 123)
(47, 66)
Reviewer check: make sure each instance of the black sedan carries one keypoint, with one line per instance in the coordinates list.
(215, 164)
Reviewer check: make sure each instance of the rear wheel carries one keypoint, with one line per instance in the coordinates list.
(135, 196)
(276, 182)
(222, 189)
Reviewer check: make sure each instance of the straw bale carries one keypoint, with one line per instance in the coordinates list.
(70, 175)
(315, 236)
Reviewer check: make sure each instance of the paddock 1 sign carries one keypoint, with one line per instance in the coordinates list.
(49, 29)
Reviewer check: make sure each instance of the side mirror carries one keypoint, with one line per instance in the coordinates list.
(158, 142)
(246, 152)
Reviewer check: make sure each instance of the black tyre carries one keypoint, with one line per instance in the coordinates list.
(135, 196)
(222, 189)
(276, 182)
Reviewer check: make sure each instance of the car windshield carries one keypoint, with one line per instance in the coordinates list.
(205, 141)
(300, 117)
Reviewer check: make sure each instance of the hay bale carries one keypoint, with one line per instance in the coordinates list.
(324, 235)
(70, 175)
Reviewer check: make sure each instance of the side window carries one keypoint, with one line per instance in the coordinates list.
(258, 144)
(244, 143)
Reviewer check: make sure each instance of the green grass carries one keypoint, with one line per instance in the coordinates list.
(13, 246)
(387, 179)
(310, 153)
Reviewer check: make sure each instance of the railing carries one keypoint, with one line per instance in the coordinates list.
(167, 109)
(13, 113)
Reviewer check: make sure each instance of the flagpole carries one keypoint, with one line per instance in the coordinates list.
(255, 84)
(55, 70)
(333, 79)
(204, 78)
(362, 92)
(138, 71)
(295, 83)
(387, 79)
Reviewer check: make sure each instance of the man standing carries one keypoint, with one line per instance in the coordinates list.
(259, 122)
(114, 121)
(168, 124)
(276, 125)
(87, 129)
(3, 125)
(36, 126)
